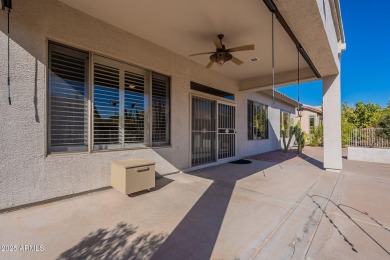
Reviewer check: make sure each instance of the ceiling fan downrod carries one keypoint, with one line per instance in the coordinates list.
(220, 37)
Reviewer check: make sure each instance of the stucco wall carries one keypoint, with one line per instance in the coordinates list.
(305, 122)
(376, 155)
(27, 174)
(251, 147)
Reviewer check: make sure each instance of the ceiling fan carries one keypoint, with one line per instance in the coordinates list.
(222, 55)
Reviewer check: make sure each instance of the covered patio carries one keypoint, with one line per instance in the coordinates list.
(294, 41)
(265, 209)
(91, 82)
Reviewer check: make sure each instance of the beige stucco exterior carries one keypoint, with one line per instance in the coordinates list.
(318, 26)
(332, 123)
(29, 174)
(307, 113)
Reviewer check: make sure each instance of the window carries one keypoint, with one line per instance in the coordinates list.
(285, 122)
(120, 99)
(160, 110)
(68, 99)
(311, 121)
(130, 105)
(257, 121)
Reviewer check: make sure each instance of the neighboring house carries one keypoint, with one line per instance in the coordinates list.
(92, 82)
(311, 117)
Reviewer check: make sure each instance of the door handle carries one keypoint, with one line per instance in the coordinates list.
(143, 170)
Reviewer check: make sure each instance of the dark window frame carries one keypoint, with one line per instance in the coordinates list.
(166, 142)
(254, 134)
(312, 118)
(282, 122)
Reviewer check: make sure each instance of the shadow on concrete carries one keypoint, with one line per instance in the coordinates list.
(315, 162)
(161, 182)
(280, 157)
(113, 244)
(351, 219)
(196, 235)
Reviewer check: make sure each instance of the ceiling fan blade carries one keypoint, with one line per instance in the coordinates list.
(217, 44)
(242, 48)
(202, 53)
(237, 61)
(210, 64)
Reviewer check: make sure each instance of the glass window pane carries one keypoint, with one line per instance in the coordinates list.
(68, 99)
(160, 110)
(311, 121)
(106, 107)
(285, 122)
(134, 107)
(121, 105)
(257, 121)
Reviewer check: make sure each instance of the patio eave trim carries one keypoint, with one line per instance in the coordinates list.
(273, 9)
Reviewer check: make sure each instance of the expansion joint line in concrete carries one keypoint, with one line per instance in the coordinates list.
(319, 221)
(265, 242)
(270, 196)
(361, 221)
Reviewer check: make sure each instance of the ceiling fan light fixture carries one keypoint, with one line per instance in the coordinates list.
(228, 56)
(220, 62)
(221, 57)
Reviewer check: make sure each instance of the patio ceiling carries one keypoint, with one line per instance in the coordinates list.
(187, 27)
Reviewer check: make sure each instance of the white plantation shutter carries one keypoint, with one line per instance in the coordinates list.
(134, 107)
(106, 103)
(68, 99)
(121, 94)
(160, 109)
(126, 101)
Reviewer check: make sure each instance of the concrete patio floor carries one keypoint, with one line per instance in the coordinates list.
(269, 209)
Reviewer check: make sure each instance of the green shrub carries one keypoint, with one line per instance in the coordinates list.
(346, 130)
(316, 135)
(385, 124)
(290, 135)
(300, 137)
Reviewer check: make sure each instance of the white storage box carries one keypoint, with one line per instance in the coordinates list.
(129, 176)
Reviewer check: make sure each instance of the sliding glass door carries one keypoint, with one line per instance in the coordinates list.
(213, 131)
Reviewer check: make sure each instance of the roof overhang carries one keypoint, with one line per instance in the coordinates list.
(312, 109)
(309, 20)
(281, 97)
(187, 27)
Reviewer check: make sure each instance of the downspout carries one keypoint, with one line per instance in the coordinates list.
(9, 73)
(8, 4)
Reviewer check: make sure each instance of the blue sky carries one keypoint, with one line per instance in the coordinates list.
(365, 65)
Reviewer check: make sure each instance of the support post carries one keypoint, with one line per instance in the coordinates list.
(332, 123)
